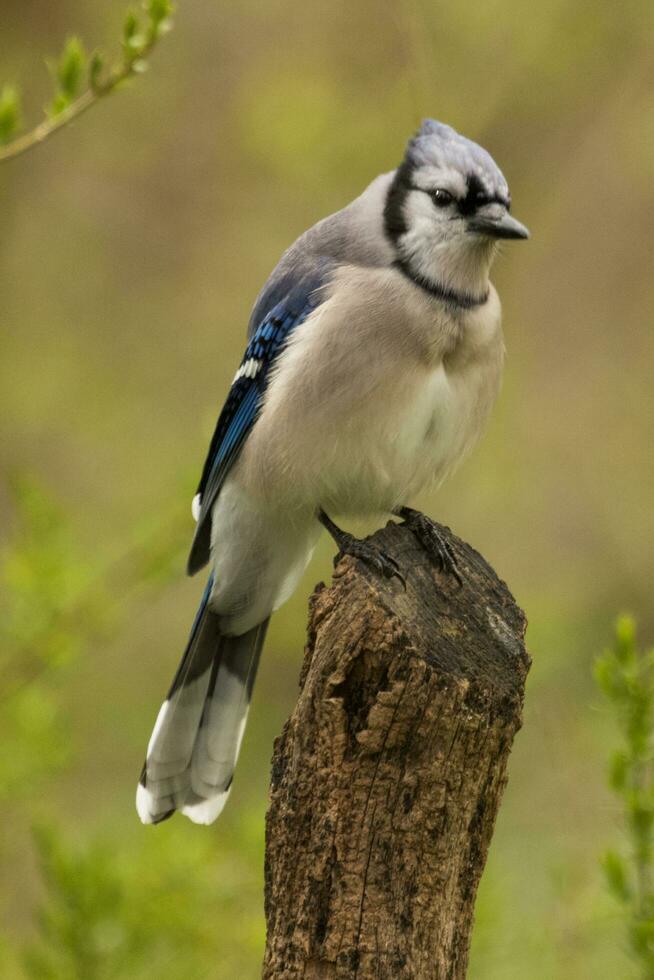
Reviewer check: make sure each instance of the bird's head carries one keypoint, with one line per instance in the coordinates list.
(447, 206)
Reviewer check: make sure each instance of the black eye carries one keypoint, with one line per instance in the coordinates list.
(441, 197)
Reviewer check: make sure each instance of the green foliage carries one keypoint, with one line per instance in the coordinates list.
(159, 13)
(140, 35)
(105, 914)
(43, 577)
(46, 612)
(55, 604)
(96, 66)
(139, 909)
(9, 113)
(626, 676)
(69, 73)
(139, 912)
(80, 80)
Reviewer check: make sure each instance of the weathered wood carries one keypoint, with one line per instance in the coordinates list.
(388, 775)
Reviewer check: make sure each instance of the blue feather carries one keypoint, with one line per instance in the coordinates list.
(243, 403)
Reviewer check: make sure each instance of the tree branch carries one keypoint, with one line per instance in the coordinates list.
(138, 44)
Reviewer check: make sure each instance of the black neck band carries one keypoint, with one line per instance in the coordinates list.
(463, 300)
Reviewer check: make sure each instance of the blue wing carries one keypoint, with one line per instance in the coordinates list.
(243, 402)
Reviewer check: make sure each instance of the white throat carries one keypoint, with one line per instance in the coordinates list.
(460, 267)
(460, 263)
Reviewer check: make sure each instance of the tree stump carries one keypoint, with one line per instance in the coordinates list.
(387, 778)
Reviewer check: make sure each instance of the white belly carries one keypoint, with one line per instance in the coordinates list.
(403, 445)
(427, 441)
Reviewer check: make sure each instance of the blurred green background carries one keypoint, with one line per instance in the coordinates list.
(132, 247)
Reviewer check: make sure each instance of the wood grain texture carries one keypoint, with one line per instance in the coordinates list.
(388, 775)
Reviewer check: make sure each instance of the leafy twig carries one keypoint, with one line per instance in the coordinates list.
(81, 81)
(626, 676)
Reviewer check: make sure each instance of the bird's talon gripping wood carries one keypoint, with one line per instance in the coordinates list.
(432, 540)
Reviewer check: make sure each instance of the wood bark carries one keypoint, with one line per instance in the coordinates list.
(387, 777)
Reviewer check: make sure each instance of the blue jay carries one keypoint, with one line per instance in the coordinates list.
(374, 357)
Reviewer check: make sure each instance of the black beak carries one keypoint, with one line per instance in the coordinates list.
(500, 226)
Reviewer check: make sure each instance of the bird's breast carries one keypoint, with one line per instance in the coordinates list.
(446, 416)
(378, 394)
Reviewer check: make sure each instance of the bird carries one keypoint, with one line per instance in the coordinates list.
(374, 356)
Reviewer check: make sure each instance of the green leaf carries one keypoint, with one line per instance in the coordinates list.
(627, 678)
(158, 10)
(9, 113)
(618, 771)
(642, 939)
(130, 26)
(616, 876)
(71, 68)
(641, 818)
(159, 15)
(60, 102)
(609, 677)
(625, 638)
(96, 64)
(134, 37)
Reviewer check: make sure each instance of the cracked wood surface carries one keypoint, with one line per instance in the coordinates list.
(387, 777)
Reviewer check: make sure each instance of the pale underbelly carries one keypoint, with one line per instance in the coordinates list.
(370, 455)
(393, 455)
(387, 477)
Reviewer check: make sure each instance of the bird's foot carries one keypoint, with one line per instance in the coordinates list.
(378, 560)
(381, 562)
(432, 540)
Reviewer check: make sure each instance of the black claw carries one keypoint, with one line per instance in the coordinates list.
(380, 561)
(432, 540)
